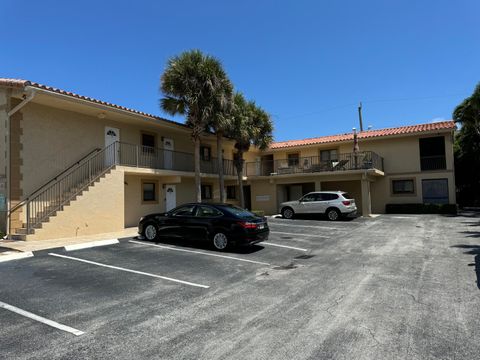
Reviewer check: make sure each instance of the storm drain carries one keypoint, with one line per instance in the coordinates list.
(303, 257)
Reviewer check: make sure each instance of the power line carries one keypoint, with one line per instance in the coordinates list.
(368, 102)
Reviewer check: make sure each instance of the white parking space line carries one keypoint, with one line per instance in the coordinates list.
(16, 256)
(297, 234)
(305, 226)
(129, 270)
(91, 244)
(199, 252)
(283, 246)
(40, 319)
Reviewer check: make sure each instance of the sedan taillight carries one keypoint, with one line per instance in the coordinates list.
(346, 203)
(247, 225)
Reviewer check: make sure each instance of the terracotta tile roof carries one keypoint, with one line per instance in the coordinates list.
(443, 125)
(19, 83)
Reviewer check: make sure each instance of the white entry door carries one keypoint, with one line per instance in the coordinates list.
(170, 197)
(111, 136)
(168, 146)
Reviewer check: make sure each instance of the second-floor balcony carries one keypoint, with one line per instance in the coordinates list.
(161, 159)
(437, 162)
(362, 160)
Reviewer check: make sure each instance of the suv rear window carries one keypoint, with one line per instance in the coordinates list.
(328, 197)
(347, 196)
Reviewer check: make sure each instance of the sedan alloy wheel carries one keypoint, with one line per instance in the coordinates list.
(150, 232)
(220, 241)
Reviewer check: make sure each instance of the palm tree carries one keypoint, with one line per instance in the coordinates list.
(468, 112)
(220, 124)
(251, 125)
(193, 85)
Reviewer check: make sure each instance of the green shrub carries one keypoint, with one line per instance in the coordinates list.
(258, 212)
(421, 209)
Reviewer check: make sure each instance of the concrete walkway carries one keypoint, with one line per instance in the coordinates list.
(10, 246)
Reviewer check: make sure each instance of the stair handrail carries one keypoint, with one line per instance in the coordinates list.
(77, 163)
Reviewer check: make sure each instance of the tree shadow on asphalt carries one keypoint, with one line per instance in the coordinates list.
(473, 250)
(464, 214)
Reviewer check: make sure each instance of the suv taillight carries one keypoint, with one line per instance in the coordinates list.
(247, 225)
(346, 202)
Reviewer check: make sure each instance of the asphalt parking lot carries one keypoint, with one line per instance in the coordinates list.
(392, 287)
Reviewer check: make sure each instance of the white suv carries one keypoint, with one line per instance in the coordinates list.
(334, 204)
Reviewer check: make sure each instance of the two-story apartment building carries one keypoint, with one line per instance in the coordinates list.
(409, 164)
(72, 165)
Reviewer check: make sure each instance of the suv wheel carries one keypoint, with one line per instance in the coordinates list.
(333, 214)
(288, 213)
(220, 241)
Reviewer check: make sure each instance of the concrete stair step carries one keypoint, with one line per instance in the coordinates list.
(23, 231)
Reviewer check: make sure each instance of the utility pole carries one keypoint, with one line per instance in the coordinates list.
(360, 116)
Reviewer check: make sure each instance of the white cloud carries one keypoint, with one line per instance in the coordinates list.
(437, 119)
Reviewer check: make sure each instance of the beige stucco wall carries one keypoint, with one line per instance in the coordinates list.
(98, 210)
(262, 188)
(3, 154)
(3, 129)
(53, 139)
(382, 191)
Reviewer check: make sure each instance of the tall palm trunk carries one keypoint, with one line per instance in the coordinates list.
(239, 166)
(198, 180)
(221, 180)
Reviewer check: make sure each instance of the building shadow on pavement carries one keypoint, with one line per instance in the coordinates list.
(319, 217)
(473, 250)
(204, 245)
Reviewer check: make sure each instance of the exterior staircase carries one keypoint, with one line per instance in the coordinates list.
(43, 217)
(37, 209)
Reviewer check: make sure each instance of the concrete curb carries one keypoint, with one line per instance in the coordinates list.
(91, 244)
(22, 255)
(66, 248)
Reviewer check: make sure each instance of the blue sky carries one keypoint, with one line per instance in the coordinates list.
(308, 63)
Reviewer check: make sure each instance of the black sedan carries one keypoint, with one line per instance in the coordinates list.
(222, 224)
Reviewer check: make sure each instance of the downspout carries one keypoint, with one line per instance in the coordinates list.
(27, 97)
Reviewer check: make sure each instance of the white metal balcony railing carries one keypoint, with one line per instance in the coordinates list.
(161, 159)
(312, 164)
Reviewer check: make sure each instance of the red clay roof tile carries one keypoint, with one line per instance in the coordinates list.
(443, 125)
(19, 83)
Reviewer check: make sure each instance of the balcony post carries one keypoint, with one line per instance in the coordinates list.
(136, 155)
(366, 198)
